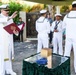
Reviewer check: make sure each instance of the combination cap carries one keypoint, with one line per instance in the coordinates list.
(74, 2)
(4, 6)
(43, 11)
(58, 15)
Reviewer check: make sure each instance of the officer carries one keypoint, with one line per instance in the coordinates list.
(69, 23)
(6, 41)
(57, 34)
(43, 29)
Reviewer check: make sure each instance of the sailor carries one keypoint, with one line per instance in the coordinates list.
(69, 23)
(6, 41)
(43, 29)
(56, 28)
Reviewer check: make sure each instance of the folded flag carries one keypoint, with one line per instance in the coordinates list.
(42, 61)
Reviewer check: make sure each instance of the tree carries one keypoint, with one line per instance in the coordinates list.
(64, 9)
(15, 7)
(0, 3)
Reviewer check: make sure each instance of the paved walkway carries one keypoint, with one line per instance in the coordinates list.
(24, 49)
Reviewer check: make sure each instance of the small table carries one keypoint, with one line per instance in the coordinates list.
(60, 66)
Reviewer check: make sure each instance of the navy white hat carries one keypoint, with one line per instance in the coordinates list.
(4, 6)
(74, 2)
(58, 15)
(43, 11)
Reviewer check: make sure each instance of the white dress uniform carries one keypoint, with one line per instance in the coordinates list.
(57, 37)
(70, 25)
(6, 46)
(43, 29)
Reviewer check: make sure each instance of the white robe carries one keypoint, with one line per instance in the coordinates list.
(6, 39)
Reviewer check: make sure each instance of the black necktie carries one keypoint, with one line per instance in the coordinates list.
(56, 25)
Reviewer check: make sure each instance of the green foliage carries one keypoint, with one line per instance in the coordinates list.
(45, 6)
(0, 3)
(26, 8)
(34, 8)
(64, 9)
(37, 8)
(15, 7)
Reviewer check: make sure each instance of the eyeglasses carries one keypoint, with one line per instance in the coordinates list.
(6, 10)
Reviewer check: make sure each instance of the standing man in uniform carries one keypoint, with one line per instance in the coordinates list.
(57, 35)
(50, 20)
(43, 29)
(69, 23)
(6, 41)
(20, 36)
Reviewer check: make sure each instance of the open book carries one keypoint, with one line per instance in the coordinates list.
(11, 27)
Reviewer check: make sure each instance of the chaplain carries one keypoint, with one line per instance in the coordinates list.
(6, 41)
